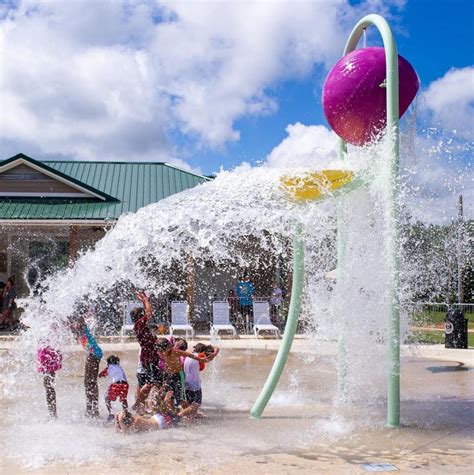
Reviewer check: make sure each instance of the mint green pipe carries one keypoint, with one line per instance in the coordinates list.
(341, 256)
(393, 234)
(290, 328)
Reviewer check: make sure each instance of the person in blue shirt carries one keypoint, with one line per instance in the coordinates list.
(244, 292)
(82, 331)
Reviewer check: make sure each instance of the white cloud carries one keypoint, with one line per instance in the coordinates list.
(435, 168)
(110, 79)
(436, 171)
(313, 146)
(450, 99)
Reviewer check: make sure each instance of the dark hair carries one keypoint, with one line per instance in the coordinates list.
(181, 344)
(163, 344)
(113, 359)
(202, 348)
(136, 313)
(127, 418)
(10, 279)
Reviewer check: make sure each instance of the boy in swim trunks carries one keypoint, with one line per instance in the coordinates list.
(118, 384)
(172, 363)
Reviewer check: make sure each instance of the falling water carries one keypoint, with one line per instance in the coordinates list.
(241, 219)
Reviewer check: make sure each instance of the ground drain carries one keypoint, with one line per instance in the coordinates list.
(379, 467)
(447, 369)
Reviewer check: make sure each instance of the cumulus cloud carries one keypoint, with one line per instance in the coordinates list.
(435, 171)
(116, 79)
(450, 100)
(306, 146)
(435, 167)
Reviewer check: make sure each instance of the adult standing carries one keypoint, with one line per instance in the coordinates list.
(7, 317)
(244, 292)
(276, 300)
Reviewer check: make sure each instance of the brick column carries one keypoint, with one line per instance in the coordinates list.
(72, 244)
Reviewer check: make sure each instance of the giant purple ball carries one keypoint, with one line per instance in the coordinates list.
(354, 102)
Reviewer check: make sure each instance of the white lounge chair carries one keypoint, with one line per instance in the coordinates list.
(179, 318)
(261, 319)
(221, 319)
(127, 325)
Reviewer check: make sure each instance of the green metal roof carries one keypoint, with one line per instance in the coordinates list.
(126, 186)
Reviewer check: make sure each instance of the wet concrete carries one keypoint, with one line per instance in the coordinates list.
(303, 429)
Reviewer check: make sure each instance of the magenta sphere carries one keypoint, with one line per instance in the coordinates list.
(354, 101)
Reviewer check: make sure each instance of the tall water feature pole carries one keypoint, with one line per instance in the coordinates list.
(391, 84)
(393, 220)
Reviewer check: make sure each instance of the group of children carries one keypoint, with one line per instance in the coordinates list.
(168, 376)
(177, 392)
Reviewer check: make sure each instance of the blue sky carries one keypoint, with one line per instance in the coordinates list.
(434, 36)
(205, 85)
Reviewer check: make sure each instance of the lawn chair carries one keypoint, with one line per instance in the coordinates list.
(179, 318)
(221, 319)
(127, 325)
(261, 319)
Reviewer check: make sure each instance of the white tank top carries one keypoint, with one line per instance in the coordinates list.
(116, 373)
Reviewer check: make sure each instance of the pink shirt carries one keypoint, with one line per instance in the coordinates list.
(49, 360)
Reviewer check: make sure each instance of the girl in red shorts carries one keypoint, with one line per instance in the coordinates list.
(118, 384)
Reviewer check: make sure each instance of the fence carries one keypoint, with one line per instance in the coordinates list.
(421, 314)
(433, 313)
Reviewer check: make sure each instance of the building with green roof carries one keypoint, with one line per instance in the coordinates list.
(52, 210)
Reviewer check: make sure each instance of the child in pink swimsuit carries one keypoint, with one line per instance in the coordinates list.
(49, 361)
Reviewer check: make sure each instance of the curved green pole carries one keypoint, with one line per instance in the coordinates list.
(290, 328)
(393, 234)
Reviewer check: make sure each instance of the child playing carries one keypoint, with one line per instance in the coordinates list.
(149, 358)
(118, 384)
(192, 379)
(49, 361)
(164, 414)
(172, 366)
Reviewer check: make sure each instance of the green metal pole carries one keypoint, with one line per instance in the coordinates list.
(290, 328)
(341, 254)
(393, 237)
(393, 396)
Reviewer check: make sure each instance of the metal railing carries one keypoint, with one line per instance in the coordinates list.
(434, 313)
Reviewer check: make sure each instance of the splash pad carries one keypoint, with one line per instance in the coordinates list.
(204, 223)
